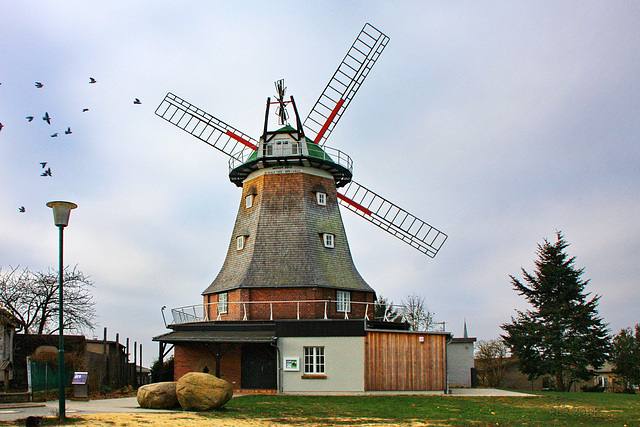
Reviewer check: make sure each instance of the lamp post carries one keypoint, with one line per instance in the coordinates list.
(61, 211)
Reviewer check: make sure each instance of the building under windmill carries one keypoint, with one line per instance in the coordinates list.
(289, 311)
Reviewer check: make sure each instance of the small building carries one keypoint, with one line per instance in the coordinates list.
(460, 362)
(8, 325)
(513, 378)
(309, 356)
(107, 362)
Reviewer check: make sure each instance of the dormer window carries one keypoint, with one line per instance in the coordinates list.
(329, 240)
(321, 198)
(240, 241)
(248, 201)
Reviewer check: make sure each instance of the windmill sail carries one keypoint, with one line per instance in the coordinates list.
(205, 127)
(391, 218)
(345, 83)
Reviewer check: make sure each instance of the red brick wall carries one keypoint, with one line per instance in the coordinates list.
(194, 357)
(308, 310)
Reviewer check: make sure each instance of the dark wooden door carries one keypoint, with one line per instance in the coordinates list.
(259, 366)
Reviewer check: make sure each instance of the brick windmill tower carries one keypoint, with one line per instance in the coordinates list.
(288, 258)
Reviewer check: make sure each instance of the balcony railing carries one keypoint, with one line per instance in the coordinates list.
(326, 154)
(294, 310)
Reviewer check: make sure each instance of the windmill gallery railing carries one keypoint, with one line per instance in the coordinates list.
(296, 310)
(326, 154)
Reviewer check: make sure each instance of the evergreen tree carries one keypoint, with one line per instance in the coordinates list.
(625, 356)
(383, 309)
(562, 335)
(167, 370)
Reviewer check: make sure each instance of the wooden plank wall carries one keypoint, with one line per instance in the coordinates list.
(399, 361)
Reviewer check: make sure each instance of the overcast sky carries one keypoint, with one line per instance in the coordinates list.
(499, 123)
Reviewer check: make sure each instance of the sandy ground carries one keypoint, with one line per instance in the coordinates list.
(192, 419)
(178, 420)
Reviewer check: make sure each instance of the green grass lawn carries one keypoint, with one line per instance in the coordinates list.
(547, 409)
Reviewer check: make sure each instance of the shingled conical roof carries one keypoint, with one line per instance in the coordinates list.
(282, 230)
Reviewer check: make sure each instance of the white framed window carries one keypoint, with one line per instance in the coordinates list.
(343, 301)
(321, 198)
(314, 360)
(282, 147)
(223, 303)
(248, 201)
(329, 240)
(240, 241)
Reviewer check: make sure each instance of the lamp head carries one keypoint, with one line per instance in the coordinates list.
(61, 211)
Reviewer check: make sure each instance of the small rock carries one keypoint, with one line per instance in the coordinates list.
(158, 395)
(198, 391)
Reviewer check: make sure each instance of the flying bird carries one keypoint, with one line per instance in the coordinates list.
(68, 131)
(47, 172)
(43, 164)
(137, 101)
(29, 118)
(54, 135)
(21, 209)
(1, 126)
(46, 118)
(92, 80)
(84, 110)
(39, 85)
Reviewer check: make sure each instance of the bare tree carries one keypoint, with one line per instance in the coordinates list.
(33, 298)
(490, 361)
(416, 312)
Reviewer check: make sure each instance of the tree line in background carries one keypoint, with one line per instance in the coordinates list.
(561, 336)
(625, 356)
(32, 297)
(412, 309)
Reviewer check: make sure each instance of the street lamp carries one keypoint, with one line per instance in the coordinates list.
(61, 211)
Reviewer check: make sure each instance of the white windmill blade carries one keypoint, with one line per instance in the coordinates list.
(344, 84)
(206, 128)
(392, 218)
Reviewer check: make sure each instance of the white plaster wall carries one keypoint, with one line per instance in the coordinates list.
(344, 365)
(459, 364)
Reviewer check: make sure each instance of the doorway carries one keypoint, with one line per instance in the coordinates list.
(259, 367)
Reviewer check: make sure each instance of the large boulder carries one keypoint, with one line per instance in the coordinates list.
(158, 395)
(198, 391)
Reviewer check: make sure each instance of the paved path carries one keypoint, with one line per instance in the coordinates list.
(16, 411)
(9, 412)
(487, 392)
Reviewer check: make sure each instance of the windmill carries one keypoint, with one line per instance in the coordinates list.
(317, 128)
(288, 285)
